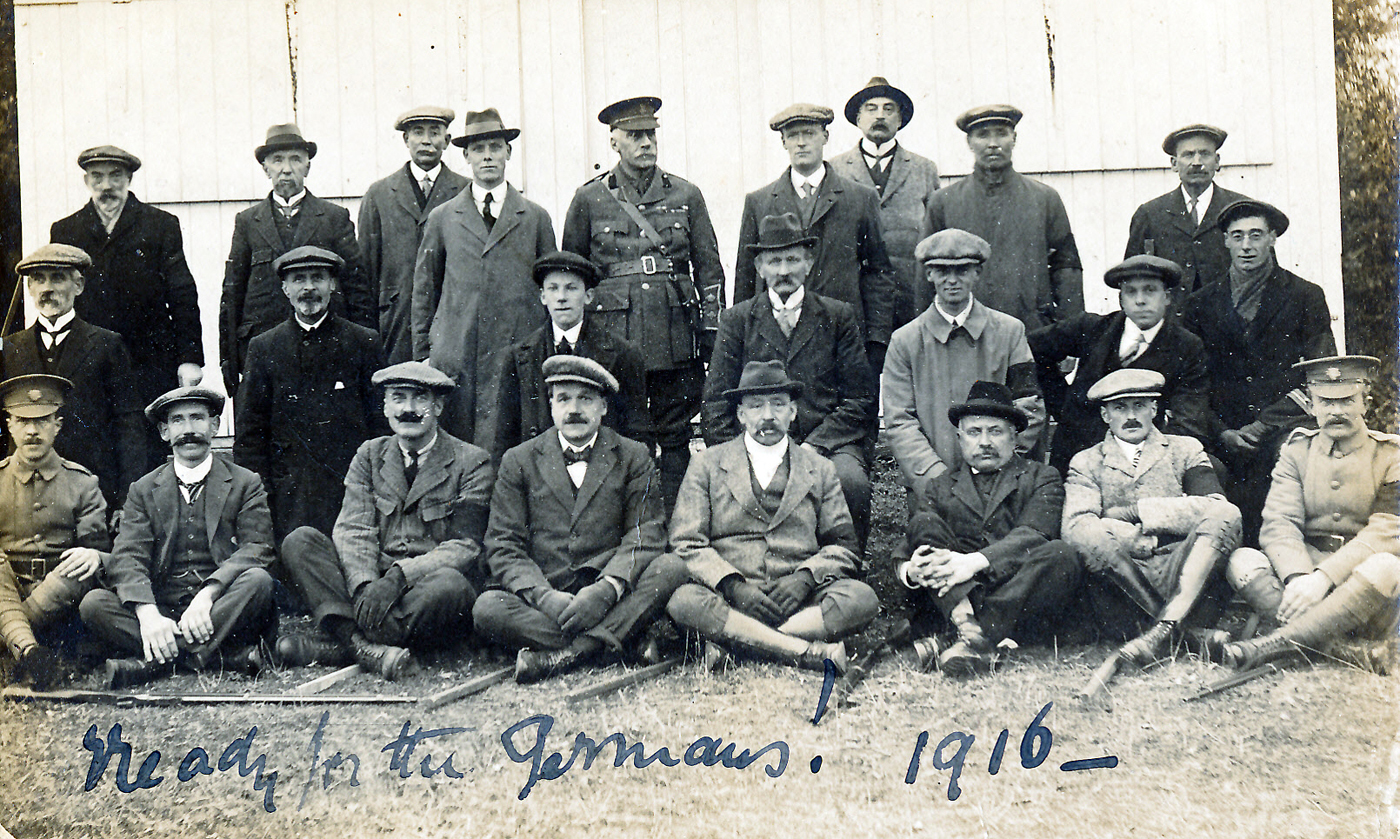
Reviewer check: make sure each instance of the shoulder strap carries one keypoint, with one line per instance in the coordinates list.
(636, 215)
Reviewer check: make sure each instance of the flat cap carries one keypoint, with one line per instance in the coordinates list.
(989, 399)
(415, 374)
(484, 125)
(983, 114)
(781, 231)
(1143, 266)
(559, 369)
(308, 256)
(109, 154)
(952, 246)
(1246, 207)
(33, 396)
(565, 261)
(635, 114)
(54, 256)
(424, 113)
(1338, 376)
(761, 377)
(801, 112)
(877, 86)
(1216, 135)
(1126, 382)
(155, 412)
(283, 137)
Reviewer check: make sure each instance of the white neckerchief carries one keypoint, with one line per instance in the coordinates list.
(577, 470)
(498, 197)
(815, 179)
(765, 459)
(1129, 450)
(294, 201)
(58, 323)
(877, 156)
(1131, 333)
(960, 318)
(407, 458)
(1202, 202)
(571, 334)
(310, 326)
(793, 304)
(192, 474)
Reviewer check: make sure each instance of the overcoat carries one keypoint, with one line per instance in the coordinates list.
(473, 297)
(1163, 228)
(390, 228)
(852, 264)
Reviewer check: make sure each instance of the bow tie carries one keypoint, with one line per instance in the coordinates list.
(878, 157)
(572, 456)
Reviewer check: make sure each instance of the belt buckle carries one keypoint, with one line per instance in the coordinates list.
(648, 264)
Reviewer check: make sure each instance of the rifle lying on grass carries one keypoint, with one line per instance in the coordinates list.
(1228, 682)
(861, 667)
(477, 685)
(1095, 692)
(110, 697)
(627, 679)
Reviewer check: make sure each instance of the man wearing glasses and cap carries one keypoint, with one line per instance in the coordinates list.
(663, 286)
(252, 301)
(392, 215)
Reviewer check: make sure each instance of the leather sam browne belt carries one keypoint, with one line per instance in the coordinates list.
(1326, 542)
(649, 265)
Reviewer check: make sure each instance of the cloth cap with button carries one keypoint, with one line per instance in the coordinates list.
(424, 113)
(283, 137)
(777, 232)
(54, 256)
(983, 114)
(484, 125)
(414, 374)
(565, 261)
(308, 256)
(33, 396)
(953, 247)
(1143, 266)
(1216, 135)
(155, 412)
(1338, 376)
(802, 112)
(635, 114)
(1249, 207)
(761, 377)
(561, 369)
(109, 154)
(1127, 382)
(989, 399)
(876, 87)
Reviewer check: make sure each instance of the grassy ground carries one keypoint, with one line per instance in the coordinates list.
(1310, 753)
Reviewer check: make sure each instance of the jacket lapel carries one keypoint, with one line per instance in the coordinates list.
(166, 495)
(512, 208)
(216, 492)
(26, 344)
(1007, 481)
(766, 322)
(1154, 448)
(860, 173)
(899, 173)
(127, 221)
(827, 194)
(800, 482)
(806, 326)
(76, 350)
(404, 195)
(735, 464)
(312, 216)
(966, 492)
(266, 227)
(391, 474)
(549, 460)
(432, 470)
(470, 217)
(1270, 303)
(602, 461)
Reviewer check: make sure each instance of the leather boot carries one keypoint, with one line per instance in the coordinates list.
(1128, 578)
(50, 597)
(305, 650)
(923, 653)
(970, 655)
(819, 652)
(389, 662)
(130, 672)
(1347, 609)
(1263, 594)
(1145, 649)
(536, 665)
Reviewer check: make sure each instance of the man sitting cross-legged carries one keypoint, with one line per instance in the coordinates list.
(575, 535)
(986, 552)
(764, 530)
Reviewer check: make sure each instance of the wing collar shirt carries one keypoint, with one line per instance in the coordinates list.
(815, 179)
(55, 331)
(289, 205)
(311, 326)
(790, 311)
(878, 156)
(579, 469)
(765, 460)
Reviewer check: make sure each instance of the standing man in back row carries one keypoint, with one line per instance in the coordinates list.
(663, 285)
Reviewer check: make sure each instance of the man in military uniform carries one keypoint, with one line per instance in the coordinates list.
(1182, 225)
(1331, 533)
(663, 286)
(53, 523)
(904, 180)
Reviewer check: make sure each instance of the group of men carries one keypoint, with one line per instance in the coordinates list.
(453, 427)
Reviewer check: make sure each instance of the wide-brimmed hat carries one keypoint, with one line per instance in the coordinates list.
(109, 154)
(1246, 207)
(781, 231)
(155, 412)
(1216, 135)
(484, 125)
(566, 261)
(877, 86)
(1143, 265)
(764, 377)
(35, 395)
(283, 137)
(989, 399)
(54, 255)
(560, 369)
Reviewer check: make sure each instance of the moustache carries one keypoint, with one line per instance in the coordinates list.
(1341, 422)
(410, 416)
(574, 418)
(309, 297)
(189, 438)
(1132, 424)
(769, 426)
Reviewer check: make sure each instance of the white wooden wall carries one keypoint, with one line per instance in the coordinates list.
(190, 86)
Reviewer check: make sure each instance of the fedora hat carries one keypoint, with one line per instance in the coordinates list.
(764, 377)
(781, 231)
(877, 86)
(484, 125)
(283, 137)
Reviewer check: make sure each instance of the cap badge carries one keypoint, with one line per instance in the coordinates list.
(1334, 373)
(35, 395)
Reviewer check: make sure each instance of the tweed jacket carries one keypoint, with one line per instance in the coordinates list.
(1021, 513)
(103, 428)
(473, 297)
(903, 206)
(1162, 227)
(140, 287)
(390, 228)
(252, 301)
(1250, 364)
(237, 524)
(1173, 487)
(520, 408)
(1178, 355)
(719, 529)
(545, 534)
(825, 353)
(852, 264)
(439, 522)
(1316, 492)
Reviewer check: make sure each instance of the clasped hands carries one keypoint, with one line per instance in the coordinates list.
(941, 569)
(158, 633)
(771, 601)
(576, 613)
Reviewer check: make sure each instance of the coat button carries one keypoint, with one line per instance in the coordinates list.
(38, 506)
(646, 286)
(1336, 517)
(1336, 485)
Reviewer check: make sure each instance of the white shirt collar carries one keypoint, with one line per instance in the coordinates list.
(289, 202)
(1202, 201)
(955, 321)
(421, 452)
(193, 474)
(794, 301)
(571, 447)
(815, 179)
(870, 150)
(571, 334)
(310, 326)
(431, 174)
(765, 459)
(1129, 450)
(58, 323)
(1131, 331)
(498, 196)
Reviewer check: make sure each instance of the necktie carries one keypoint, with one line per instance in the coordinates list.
(572, 456)
(1137, 458)
(190, 491)
(1134, 350)
(486, 214)
(808, 191)
(288, 212)
(563, 348)
(787, 320)
(410, 472)
(1195, 219)
(426, 185)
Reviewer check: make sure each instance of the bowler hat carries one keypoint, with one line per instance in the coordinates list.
(635, 114)
(989, 399)
(283, 137)
(484, 125)
(155, 412)
(781, 231)
(877, 86)
(1338, 376)
(801, 112)
(308, 256)
(414, 374)
(1126, 382)
(1143, 266)
(983, 114)
(109, 154)
(1216, 135)
(559, 369)
(424, 113)
(35, 395)
(565, 261)
(1246, 207)
(764, 377)
(54, 255)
